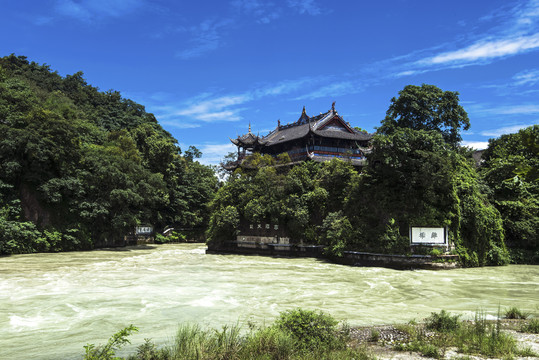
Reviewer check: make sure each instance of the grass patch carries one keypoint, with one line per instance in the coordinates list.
(305, 335)
(297, 334)
(445, 330)
(375, 335)
(515, 313)
(443, 322)
(531, 327)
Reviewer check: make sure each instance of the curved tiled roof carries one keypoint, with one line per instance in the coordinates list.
(286, 134)
(301, 128)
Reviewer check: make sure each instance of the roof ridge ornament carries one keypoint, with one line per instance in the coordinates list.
(304, 118)
(333, 106)
(249, 127)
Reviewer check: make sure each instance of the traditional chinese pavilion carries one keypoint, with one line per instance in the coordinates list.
(318, 138)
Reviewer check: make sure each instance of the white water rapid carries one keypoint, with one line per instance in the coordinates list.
(51, 305)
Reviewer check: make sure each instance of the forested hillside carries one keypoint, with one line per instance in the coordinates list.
(80, 168)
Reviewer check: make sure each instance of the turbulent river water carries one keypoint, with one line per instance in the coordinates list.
(51, 305)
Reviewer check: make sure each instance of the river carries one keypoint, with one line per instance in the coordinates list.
(51, 305)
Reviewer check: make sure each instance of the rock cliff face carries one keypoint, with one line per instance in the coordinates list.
(33, 211)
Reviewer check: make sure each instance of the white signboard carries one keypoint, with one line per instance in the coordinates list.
(140, 230)
(428, 236)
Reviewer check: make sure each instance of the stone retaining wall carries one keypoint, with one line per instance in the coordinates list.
(352, 258)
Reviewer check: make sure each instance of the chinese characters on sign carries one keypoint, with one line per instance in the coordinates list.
(428, 236)
(267, 226)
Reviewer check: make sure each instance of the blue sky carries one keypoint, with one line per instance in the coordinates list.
(207, 68)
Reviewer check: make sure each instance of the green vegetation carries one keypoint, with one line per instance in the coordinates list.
(80, 168)
(108, 351)
(429, 108)
(443, 322)
(298, 334)
(511, 172)
(416, 175)
(480, 337)
(304, 334)
(515, 313)
(313, 331)
(531, 327)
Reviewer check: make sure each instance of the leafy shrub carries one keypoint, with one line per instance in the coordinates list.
(108, 351)
(531, 327)
(313, 330)
(443, 322)
(148, 351)
(171, 238)
(375, 335)
(515, 313)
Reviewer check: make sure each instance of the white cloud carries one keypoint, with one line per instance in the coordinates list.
(305, 6)
(176, 124)
(285, 87)
(207, 107)
(213, 154)
(478, 145)
(504, 130)
(90, 10)
(492, 110)
(527, 13)
(217, 109)
(73, 9)
(515, 109)
(207, 36)
(514, 30)
(486, 50)
(265, 12)
(262, 11)
(528, 77)
(332, 90)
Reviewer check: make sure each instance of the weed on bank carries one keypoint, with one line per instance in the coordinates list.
(305, 335)
(296, 334)
(479, 337)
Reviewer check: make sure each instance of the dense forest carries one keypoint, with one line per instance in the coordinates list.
(80, 168)
(417, 174)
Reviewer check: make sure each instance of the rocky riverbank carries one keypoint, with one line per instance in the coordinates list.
(386, 341)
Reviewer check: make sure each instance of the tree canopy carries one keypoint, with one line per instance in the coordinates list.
(427, 107)
(80, 168)
(510, 170)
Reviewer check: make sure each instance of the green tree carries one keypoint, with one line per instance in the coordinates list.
(427, 107)
(510, 169)
(192, 153)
